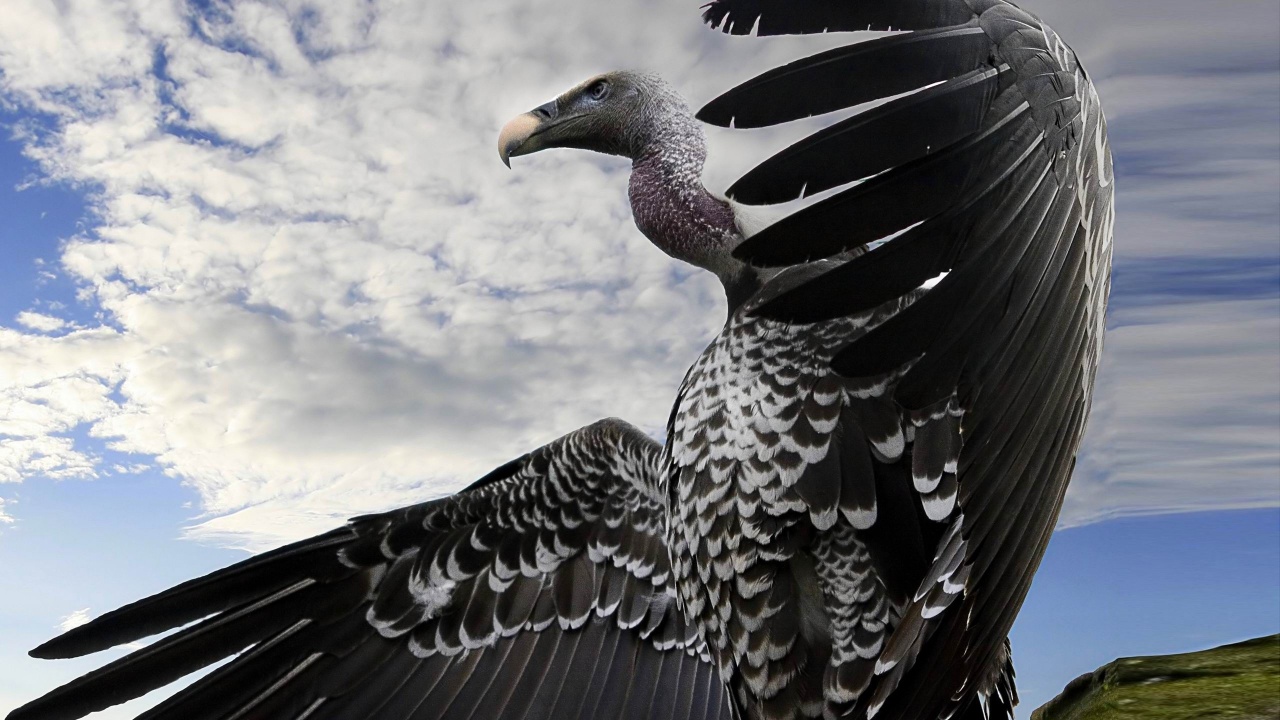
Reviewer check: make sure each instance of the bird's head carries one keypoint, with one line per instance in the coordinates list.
(617, 113)
(639, 116)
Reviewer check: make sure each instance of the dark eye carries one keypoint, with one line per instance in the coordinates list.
(598, 89)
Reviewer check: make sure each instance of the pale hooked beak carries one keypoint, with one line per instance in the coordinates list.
(519, 136)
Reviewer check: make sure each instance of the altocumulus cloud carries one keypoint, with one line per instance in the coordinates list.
(321, 294)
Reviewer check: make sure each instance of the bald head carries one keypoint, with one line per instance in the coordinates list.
(617, 113)
(639, 116)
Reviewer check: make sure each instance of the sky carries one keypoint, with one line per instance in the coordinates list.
(262, 270)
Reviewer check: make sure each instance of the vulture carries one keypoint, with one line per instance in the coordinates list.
(860, 474)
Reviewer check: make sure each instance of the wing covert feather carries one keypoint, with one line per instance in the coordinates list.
(541, 591)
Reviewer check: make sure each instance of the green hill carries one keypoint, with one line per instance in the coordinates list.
(1232, 682)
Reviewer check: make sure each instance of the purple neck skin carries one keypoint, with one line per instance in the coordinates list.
(676, 213)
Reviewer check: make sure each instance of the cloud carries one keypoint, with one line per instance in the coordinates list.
(40, 322)
(1186, 415)
(321, 294)
(74, 620)
(49, 387)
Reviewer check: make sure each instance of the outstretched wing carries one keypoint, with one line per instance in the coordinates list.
(994, 171)
(541, 591)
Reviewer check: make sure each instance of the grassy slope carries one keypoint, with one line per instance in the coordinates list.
(1233, 682)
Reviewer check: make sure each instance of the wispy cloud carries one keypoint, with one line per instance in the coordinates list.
(1187, 412)
(74, 620)
(321, 294)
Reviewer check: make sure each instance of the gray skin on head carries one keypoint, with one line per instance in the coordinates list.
(639, 116)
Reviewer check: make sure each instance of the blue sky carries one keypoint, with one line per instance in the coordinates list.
(262, 271)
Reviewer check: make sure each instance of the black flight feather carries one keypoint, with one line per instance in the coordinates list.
(789, 17)
(849, 76)
(883, 205)
(876, 140)
(203, 596)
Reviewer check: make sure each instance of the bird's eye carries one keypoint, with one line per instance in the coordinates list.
(598, 89)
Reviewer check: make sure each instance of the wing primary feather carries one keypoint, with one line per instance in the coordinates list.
(547, 693)
(366, 660)
(906, 262)
(204, 596)
(1011, 398)
(1030, 416)
(251, 679)
(450, 686)
(794, 17)
(579, 676)
(905, 336)
(525, 687)
(262, 705)
(493, 704)
(883, 205)
(447, 609)
(1020, 328)
(606, 662)
(849, 76)
(884, 137)
(189, 650)
(949, 354)
(369, 700)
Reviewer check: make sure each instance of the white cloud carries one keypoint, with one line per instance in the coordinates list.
(40, 322)
(49, 386)
(74, 620)
(324, 295)
(1186, 415)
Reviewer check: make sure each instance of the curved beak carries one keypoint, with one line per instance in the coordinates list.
(520, 136)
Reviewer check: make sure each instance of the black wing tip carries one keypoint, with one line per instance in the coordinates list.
(74, 643)
(30, 711)
(53, 705)
(713, 114)
(129, 623)
(97, 635)
(53, 650)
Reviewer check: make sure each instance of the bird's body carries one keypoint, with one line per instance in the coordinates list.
(860, 472)
(762, 533)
